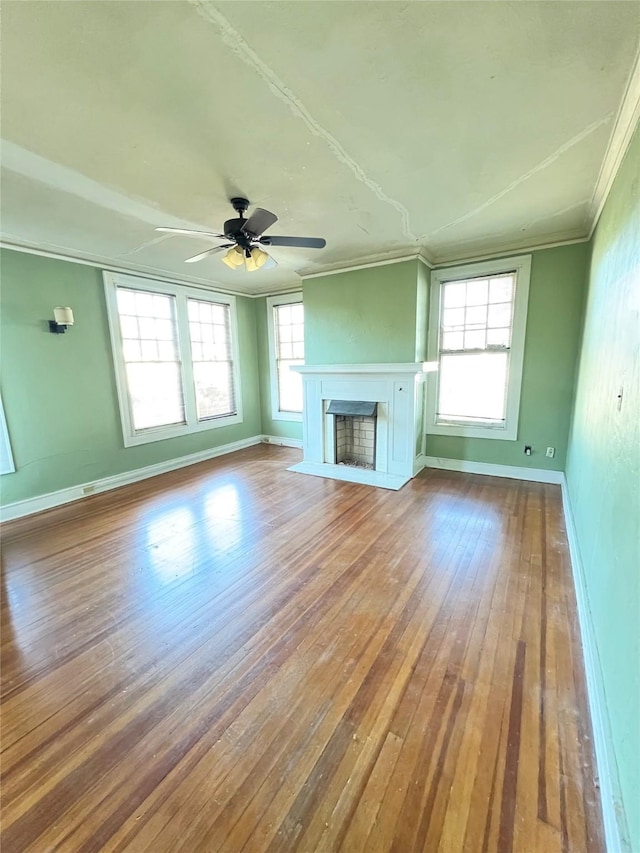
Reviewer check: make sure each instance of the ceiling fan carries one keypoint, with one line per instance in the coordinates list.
(245, 236)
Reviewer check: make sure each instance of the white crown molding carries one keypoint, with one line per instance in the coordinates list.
(425, 258)
(503, 250)
(106, 264)
(363, 264)
(109, 266)
(411, 368)
(626, 122)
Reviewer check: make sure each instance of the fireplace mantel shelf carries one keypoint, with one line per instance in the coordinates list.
(408, 367)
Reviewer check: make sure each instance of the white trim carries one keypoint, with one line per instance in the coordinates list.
(513, 472)
(272, 302)
(364, 476)
(420, 462)
(624, 127)
(364, 264)
(181, 293)
(391, 367)
(281, 441)
(18, 509)
(522, 266)
(425, 258)
(613, 815)
(8, 465)
(107, 265)
(507, 249)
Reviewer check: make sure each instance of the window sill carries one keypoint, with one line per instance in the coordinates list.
(176, 431)
(295, 417)
(460, 431)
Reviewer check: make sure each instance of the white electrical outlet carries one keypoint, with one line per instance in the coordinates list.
(551, 452)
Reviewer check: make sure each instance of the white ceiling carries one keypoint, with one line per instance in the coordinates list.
(453, 127)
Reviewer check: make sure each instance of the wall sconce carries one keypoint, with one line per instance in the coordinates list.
(63, 317)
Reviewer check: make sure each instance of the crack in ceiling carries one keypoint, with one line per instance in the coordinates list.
(520, 180)
(232, 38)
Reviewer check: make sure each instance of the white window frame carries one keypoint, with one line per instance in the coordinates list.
(508, 431)
(7, 465)
(181, 293)
(272, 302)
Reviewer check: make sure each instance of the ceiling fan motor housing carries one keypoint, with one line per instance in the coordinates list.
(233, 231)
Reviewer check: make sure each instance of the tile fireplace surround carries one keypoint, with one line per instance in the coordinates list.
(399, 391)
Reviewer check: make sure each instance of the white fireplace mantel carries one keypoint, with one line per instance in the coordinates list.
(398, 388)
(415, 368)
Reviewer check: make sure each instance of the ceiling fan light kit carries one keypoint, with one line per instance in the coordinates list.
(234, 258)
(244, 235)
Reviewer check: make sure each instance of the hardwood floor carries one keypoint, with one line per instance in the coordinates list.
(233, 657)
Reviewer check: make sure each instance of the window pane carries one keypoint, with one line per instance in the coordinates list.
(155, 389)
(452, 340)
(472, 387)
(284, 315)
(475, 340)
(214, 389)
(289, 341)
(477, 291)
(453, 318)
(500, 315)
(126, 301)
(150, 352)
(144, 304)
(131, 350)
(498, 337)
(129, 327)
(211, 353)
(454, 294)
(476, 316)
(162, 307)
(501, 289)
(289, 387)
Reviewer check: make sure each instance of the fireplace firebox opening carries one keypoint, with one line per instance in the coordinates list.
(355, 432)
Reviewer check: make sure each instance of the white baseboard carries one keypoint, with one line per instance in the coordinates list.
(536, 475)
(282, 442)
(419, 463)
(83, 490)
(613, 816)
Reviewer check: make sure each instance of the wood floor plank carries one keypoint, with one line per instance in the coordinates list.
(234, 657)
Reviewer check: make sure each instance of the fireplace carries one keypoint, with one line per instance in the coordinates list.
(392, 394)
(354, 427)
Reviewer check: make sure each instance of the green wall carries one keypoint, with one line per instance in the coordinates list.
(59, 391)
(556, 294)
(603, 469)
(280, 428)
(363, 316)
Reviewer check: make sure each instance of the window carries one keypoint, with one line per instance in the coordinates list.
(477, 331)
(6, 456)
(286, 348)
(175, 357)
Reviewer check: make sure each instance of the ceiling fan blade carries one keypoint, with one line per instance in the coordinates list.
(271, 264)
(301, 242)
(258, 222)
(206, 254)
(191, 233)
